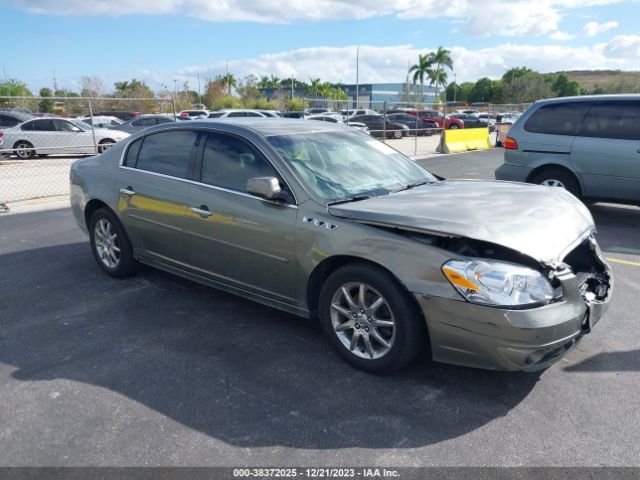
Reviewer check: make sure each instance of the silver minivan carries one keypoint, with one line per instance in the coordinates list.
(589, 145)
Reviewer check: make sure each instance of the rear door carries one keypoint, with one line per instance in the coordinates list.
(153, 194)
(235, 237)
(44, 137)
(606, 150)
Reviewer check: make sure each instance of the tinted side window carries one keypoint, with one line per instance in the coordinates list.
(131, 156)
(229, 162)
(6, 121)
(216, 115)
(619, 120)
(167, 152)
(557, 118)
(252, 114)
(237, 114)
(164, 120)
(44, 125)
(27, 126)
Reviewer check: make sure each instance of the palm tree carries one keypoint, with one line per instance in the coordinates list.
(274, 82)
(230, 81)
(420, 70)
(437, 77)
(441, 58)
(315, 88)
(264, 82)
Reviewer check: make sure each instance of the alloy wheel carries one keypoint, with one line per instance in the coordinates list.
(362, 320)
(552, 182)
(22, 150)
(107, 243)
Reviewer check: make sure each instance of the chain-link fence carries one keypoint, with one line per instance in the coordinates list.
(40, 137)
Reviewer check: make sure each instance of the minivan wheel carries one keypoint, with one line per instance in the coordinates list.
(110, 245)
(370, 319)
(558, 178)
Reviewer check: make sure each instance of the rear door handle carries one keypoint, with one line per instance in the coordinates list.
(127, 191)
(202, 210)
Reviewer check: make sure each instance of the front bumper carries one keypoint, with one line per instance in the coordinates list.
(473, 335)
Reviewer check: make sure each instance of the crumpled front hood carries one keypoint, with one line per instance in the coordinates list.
(540, 222)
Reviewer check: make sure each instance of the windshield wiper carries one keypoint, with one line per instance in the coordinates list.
(352, 198)
(411, 185)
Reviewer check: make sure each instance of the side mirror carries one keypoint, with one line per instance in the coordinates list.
(265, 187)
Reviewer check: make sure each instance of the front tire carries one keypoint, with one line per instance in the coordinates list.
(370, 319)
(110, 244)
(397, 134)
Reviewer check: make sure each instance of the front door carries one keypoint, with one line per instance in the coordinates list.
(237, 238)
(606, 150)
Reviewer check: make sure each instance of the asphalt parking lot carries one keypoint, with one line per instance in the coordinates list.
(154, 370)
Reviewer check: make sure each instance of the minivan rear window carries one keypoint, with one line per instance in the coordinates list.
(557, 118)
(618, 119)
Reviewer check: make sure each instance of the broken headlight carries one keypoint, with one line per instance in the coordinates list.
(498, 283)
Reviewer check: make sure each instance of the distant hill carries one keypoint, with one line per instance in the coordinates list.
(614, 81)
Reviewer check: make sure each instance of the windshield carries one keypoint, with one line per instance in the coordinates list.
(81, 124)
(339, 165)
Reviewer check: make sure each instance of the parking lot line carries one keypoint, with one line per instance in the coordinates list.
(624, 262)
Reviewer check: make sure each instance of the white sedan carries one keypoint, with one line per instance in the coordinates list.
(53, 136)
(102, 121)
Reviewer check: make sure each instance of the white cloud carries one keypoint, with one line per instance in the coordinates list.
(389, 64)
(484, 18)
(592, 29)
(561, 36)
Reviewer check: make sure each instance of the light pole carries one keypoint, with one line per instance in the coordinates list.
(455, 88)
(357, 78)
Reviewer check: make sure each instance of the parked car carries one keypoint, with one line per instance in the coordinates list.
(11, 118)
(270, 113)
(437, 117)
(589, 145)
(292, 114)
(470, 121)
(102, 121)
(316, 110)
(415, 124)
(194, 113)
(52, 136)
(333, 119)
(124, 116)
(347, 114)
(144, 121)
(238, 113)
(376, 125)
(318, 220)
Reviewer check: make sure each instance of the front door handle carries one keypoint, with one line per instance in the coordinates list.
(127, 191)
(202, 210)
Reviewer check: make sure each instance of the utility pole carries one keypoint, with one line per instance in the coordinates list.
(55, 83)
(199, 95)
(357, 77)
(5, 74)
(455, 88)
(292, 86)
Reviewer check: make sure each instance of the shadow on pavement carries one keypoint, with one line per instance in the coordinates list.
(243, 373)
(628, 361)
(618, 227)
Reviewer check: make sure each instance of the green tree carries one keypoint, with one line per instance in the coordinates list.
(565, 87)
(315, 88)
(14, 88)
(46, 104)
(421, 70)
(229, 81)
(441, 58)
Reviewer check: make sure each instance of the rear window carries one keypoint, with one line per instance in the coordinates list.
(619, 120)
(557, 118)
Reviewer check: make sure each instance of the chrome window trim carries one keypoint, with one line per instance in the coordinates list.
(193, 182)
(209, 130)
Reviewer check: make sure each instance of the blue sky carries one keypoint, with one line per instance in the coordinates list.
(165, 40)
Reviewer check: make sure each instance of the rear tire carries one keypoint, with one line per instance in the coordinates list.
(387, 336)
(105, 144)
(20, 149)
(110, 244)
(454, 126)
(558, 178)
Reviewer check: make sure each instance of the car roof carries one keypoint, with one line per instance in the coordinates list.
(590, 98)
(263, 126)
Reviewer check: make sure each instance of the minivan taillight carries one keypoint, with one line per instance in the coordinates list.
(510, 143)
